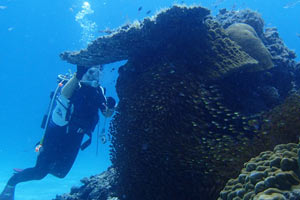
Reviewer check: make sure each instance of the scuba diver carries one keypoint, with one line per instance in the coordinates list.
(74, 115)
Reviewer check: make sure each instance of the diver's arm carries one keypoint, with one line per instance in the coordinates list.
(106, 105)
(69, 88)
(72, 84)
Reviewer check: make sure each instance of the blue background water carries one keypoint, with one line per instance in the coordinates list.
(34, 32)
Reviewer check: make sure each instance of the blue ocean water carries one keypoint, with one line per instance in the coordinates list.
(34, 32)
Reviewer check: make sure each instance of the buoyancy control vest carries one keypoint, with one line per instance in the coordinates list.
(79, 119)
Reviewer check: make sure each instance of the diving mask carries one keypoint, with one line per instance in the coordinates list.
(91, 77)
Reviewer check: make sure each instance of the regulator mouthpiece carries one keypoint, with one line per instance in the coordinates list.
(91, 83)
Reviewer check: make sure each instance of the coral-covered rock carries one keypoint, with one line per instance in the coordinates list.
(174, 131)
(158, 34)
(282, 122)
(268, 181)
(282, 79)
(185, 123)
(202, 42)
(98, 187)
(281, 55)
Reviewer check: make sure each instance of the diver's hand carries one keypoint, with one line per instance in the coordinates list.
(81, 70)
(111, 102)
(110, 107)
(108, 112)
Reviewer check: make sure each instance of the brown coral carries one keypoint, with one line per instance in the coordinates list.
(246, 37)
(271, 175)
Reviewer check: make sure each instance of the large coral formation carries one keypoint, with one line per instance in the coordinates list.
(204, 44)
(246, 37)
(273, 175)
(173, 131)
(177, 133)
(157, 34)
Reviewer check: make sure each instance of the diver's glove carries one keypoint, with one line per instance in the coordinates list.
(81, 70)
(111, 102)
(110, 107)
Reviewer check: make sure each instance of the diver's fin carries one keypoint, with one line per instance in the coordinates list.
(17, 170)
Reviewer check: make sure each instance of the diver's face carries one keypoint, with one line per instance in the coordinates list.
(92, 74)
(91, 77)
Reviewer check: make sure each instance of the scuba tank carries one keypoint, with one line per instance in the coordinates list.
(61, 80)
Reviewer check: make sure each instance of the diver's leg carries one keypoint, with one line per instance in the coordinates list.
(8, 193)
(63, 166)
(67, 154)
(44, 162)
(36, 173)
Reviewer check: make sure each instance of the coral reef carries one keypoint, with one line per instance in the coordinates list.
(283, 121)
(245, 36)
(273, 175)
(221, 57)
(205, 43)
(283, 77)
(281, 55)
(99, 187)
(184, 123)
(254, 19)
(173, 131)
(133, 40)
(269, 94)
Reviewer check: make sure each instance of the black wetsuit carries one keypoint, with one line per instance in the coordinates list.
(62, 143)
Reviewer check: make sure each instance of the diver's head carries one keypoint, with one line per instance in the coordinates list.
(91, 77)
